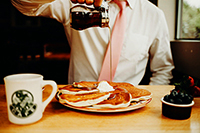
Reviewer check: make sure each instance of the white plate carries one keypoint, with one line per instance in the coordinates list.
(132, 106)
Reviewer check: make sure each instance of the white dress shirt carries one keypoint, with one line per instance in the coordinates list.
(146, 37)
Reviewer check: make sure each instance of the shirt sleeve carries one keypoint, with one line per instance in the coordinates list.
(56, 9)
(161, 62)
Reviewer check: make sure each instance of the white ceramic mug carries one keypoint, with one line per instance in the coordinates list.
(24, 97)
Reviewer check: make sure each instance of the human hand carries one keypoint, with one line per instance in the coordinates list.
(96, 3)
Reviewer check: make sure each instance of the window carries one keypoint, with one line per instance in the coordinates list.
(188, 19)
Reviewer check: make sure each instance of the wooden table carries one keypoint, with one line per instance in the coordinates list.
(58, 118)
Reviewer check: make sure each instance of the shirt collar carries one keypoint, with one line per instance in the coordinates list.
(130, 3)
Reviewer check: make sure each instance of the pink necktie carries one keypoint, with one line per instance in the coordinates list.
(115, 45)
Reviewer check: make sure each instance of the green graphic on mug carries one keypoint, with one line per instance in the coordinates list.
(22, 104)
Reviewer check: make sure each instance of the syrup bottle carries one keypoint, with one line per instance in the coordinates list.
(82, 16)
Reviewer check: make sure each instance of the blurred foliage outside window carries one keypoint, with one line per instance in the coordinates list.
(189, 25)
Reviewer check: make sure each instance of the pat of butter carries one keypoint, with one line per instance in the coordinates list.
(103, 86)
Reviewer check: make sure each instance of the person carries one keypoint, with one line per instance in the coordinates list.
(146, 38)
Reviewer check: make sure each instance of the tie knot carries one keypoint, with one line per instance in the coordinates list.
(120, 3)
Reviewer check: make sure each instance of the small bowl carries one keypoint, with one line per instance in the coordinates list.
(176, 111)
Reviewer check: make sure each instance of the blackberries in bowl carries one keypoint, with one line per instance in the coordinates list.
(177, 105)
(178, 97)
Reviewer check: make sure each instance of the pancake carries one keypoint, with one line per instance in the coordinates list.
(83, 100)
(85, 84)
(118, 99)
(136, 93)
(102, 94)
(70, 89)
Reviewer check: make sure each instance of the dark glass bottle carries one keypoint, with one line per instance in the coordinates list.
(82, 17)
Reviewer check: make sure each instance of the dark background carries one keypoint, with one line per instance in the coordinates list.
(25, 42)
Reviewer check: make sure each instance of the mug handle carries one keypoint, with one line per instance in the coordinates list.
(54, 90)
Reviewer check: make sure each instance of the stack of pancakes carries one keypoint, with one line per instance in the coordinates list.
(84, 94)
